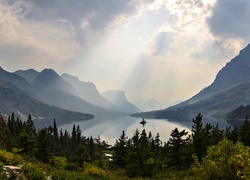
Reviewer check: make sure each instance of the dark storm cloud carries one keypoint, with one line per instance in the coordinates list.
(81, 16)
(230, 19)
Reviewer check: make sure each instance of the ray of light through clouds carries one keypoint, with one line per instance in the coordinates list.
(163, 49)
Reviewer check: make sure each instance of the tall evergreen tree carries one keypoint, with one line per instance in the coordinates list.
(43, 146)
(3, 132)
(200, 137)
(245, 132)
(177, 142)
(120, 151)
(91, 148)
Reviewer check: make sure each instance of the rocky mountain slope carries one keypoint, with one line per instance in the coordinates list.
(13, 99)
(89, 92)
(230, 89)
(119, 98)
(30, 74)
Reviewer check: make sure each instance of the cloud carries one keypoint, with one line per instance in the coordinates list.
(156, 45)
(55, 33)
(161, 43)
(230, 19)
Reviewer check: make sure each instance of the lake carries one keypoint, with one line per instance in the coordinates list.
(111, 129)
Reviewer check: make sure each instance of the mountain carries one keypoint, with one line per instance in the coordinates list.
(19, 82)
(230, 89)
(13, 99)
(241, 112)
(30, 74)
(89, 92)
(119, 98)
(52, 89)
(152, 104)
(49, 79)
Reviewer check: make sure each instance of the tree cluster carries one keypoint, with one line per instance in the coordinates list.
(44, 143)
(145, 156)
(206, 151)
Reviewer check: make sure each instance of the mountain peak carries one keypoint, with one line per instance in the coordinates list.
(237, 68)
(49, 72)
(29, 74)
(49, 79)
(47, 76)
(119, 98)
(229, 90)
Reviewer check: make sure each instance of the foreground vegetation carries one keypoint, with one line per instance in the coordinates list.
(207, 153)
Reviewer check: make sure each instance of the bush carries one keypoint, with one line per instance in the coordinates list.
(58, 162)
(225, 161)
(59, 175)
(93, 171)
(10, 158)
(32, 172)
(71, 167)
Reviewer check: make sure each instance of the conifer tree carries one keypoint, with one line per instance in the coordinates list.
(3, 132)
(245, 132)
(199, 137)
(177, 142)
(120, 151)
(43, 146)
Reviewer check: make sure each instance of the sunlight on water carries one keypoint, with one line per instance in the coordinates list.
(110, 130)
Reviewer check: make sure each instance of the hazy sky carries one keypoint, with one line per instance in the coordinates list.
(163, 49)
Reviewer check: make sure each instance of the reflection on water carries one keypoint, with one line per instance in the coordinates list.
(109, 130)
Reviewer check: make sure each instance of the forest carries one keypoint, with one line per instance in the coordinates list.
(207, 152)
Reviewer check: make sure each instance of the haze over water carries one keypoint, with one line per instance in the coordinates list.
(110, 130)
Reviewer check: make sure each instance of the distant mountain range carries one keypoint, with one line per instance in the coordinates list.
(46, 95)
(89, 92)
(230, 89)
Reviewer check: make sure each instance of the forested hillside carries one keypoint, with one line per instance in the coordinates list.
(208, 152)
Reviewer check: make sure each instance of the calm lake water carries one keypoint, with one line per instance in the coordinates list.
(111, 129)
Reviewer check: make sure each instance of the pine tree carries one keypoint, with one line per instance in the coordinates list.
(245, 133)
(120, 151)
(25, 143)
(43, 145)
(3, 132)
(177, 142)
(200, 137)
(91, 148)
(78, 135)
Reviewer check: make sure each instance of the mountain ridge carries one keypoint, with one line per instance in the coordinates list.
(29, 74)
(89, 92)
(14, 100)
(119, 98)
(229, 90)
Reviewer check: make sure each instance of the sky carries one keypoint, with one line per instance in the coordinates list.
(163, 49)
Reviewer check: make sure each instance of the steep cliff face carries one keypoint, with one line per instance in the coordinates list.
(119, 98)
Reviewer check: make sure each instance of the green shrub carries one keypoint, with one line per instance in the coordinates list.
(58, 162)
(225, 161)
(93, 171)
(71, 167)
(59, 175)
(3, 177)
(10, 158)
(32, 172)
